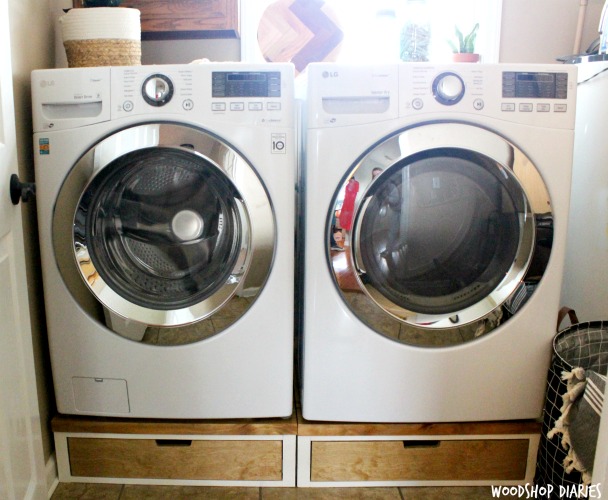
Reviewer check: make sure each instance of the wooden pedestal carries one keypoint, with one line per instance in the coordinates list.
(497, 453)
(209, 453)
(263, 452)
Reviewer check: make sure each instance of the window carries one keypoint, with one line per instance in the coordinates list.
(391, 30)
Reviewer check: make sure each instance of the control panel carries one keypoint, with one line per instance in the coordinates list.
(539, 94)
(202, 94)
(228, 92)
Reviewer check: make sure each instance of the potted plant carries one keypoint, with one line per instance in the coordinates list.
(464, 45)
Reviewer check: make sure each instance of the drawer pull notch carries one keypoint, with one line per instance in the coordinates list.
(174, 442)
(421, 443)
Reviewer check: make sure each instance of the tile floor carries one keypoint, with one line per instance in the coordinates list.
(82, 491)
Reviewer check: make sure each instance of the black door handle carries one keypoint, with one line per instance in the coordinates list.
(21, 191)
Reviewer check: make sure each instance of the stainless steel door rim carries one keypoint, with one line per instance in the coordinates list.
(456, 187)
(162, 222)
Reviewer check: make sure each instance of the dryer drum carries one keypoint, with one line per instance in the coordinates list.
(440, 232)
(161, 226)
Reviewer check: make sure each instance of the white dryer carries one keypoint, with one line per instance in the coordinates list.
(442, 305)
(166, 217)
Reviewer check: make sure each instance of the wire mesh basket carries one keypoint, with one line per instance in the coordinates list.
(582, 345)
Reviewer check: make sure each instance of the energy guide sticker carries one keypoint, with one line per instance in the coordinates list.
(44, 148)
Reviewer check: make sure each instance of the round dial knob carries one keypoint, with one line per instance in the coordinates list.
(157, 90)
(448, 88)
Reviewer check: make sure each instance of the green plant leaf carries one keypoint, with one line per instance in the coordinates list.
(464, 44)
(460, 38)
(469, 41)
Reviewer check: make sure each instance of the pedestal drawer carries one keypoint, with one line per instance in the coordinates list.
(246, 460)
(419, 460)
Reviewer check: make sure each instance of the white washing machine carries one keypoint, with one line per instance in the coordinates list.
(166, 210)
(455, 180)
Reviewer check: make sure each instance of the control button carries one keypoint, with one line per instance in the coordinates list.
(188, 104)
(255, 106)
(478, 104)
(507, 106)
(448, 88)
(157, 90)
(417, 104)
(127, 106)
(560, 108)
(273, 106)
(543, 108)
(218, 106)
(526, 107)
(237, 106)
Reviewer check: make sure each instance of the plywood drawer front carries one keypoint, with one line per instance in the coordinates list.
(457, 460)
(239, 460)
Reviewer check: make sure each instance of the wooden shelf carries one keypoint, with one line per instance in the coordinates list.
(185, 19)
(310, 428)
(237, 427)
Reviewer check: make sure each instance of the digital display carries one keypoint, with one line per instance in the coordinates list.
(246, 84)
(534, 85)
(249, 77)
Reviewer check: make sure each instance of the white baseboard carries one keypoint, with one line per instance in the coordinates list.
(52, 478)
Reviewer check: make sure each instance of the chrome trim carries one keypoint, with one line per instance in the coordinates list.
(257, 224)
(408, 326)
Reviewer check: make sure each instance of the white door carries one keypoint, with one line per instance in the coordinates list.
(21, 456)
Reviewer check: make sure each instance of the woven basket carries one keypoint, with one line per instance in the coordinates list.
(102, 36)
(103, 52)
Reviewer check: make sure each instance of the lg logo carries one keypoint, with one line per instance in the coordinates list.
(330, 74)
(47, 83)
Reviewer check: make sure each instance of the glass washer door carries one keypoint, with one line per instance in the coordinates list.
(162, 226)
(442, 237)
(166, 220)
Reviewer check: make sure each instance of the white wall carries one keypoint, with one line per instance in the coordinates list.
(539, 31)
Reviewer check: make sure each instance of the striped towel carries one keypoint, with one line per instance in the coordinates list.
(586, 416)
(580, 419)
